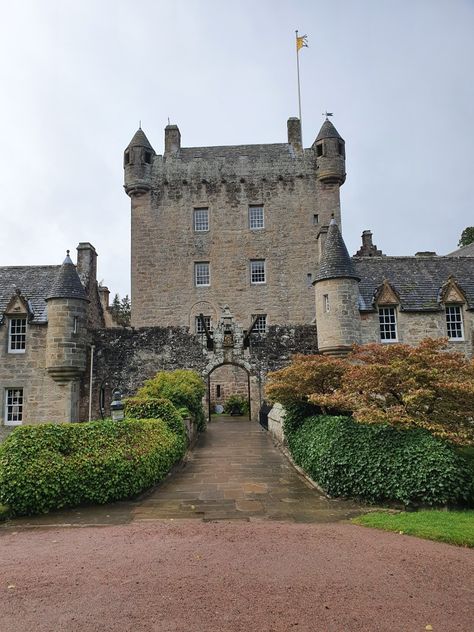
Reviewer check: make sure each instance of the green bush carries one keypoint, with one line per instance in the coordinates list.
(155, 408)
(184, 388)
(379, 463)
(49, 466)
(236, 404)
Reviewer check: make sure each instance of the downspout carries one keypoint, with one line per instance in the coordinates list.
(90, 382)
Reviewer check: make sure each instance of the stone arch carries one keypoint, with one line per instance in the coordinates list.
(253, 385)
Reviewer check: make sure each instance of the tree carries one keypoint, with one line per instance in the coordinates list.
(423, 386)
(121, 310)
(467, 236)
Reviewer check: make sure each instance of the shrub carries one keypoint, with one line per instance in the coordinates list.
(155, 408)
(184, 388)
(237, 405)
(379, 462)
(50, 466)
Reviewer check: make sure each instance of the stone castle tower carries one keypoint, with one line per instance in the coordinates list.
(242, 226)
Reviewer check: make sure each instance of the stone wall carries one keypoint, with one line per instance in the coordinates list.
(125, 358)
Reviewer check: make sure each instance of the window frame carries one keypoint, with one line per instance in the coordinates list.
(258, 330)
(198, 324)
(447, 308)
(11, 320)
(256, 207)
(254, 262)
(7, 406)
(196, 211)
(196, 276)
(387, 323)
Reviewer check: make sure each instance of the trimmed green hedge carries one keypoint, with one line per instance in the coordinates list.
(379, 463)
(50, 466)
(155, 408)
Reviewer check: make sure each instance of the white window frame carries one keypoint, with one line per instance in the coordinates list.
(451, 310)
(199, 329)
(201, 219)
(387, 316)
(199, 266)
(257, 266)
(15, 408)
(256, 217)
(12, 334)
(258, 328)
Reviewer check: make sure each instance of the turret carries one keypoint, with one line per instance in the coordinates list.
(137, 162)
(67, 318)
(337, 297)
(330, 154)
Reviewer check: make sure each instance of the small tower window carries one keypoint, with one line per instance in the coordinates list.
(319, 150)
(326, 302)
(126, 157)
(309, 279)
(341, 148)
(75, 326)
(315, 219)
(148, 157)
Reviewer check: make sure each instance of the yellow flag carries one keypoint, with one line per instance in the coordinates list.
(301, 42)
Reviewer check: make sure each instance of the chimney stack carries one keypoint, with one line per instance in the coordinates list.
(172, 139)
(294, 133)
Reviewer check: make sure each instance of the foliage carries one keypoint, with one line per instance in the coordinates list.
(121, 310)
(155, 408)
(453, 527)
(379, 462)
(422, 386)
(236, 404)
(306, 375)
(467, 236)
(49, 466)
(184, 388)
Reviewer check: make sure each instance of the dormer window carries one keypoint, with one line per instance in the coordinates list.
(454, 323)
(388, 324)
(17, 335)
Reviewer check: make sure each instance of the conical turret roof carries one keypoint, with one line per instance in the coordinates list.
(140, 140)
(335, 262)
(67, 283)
(328, 131)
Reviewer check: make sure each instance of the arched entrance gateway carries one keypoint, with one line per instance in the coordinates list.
(226, 382)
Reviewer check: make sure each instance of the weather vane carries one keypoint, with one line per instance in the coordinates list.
(327, 114)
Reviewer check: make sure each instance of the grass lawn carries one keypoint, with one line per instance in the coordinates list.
(453, 527)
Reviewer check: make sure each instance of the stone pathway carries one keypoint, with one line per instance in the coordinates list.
(234, 473)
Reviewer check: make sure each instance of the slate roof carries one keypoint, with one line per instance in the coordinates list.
(464, 251)
(140, 139)
(67, 283)
(328, 131)
(335, 261)
(416, 280)
(33, 282)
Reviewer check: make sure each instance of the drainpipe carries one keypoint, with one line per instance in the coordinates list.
(90, 382)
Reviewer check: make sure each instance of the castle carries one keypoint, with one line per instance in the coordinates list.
(237, 261)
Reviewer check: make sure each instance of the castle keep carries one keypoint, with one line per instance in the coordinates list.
(238, 261)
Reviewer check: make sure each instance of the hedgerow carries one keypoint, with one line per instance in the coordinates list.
(379, 462)
(155, 408)
(50, 466)
(184, 388)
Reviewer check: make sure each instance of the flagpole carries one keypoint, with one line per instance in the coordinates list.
(299, 88)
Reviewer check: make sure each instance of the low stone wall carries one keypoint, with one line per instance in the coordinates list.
(275, 423)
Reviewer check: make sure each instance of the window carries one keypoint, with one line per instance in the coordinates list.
(198, 326)
(256, 217)
(454, 323)
(388, 324)
(257, 271)
(319, 150)
(326, 302)
(13, 406)
(260, 326)
(17, 335)
(218, 390)
(127, 157)
(315, 219)
(75, 326)
(201, 219)
(340, 147)
(148, 157)
(202, 273)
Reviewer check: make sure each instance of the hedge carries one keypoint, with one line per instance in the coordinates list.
(155, 408)
(49, 466)
(183, 387)
(378, 462)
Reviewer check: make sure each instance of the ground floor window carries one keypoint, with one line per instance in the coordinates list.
(260, 325)
(454, 323)
(200, 327)
(13, 406)
(388, 324)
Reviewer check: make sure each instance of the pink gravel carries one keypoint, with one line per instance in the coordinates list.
(231, 576)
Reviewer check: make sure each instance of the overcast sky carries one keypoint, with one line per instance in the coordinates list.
(76, 78)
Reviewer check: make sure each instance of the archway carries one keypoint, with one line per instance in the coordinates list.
(227, 379)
